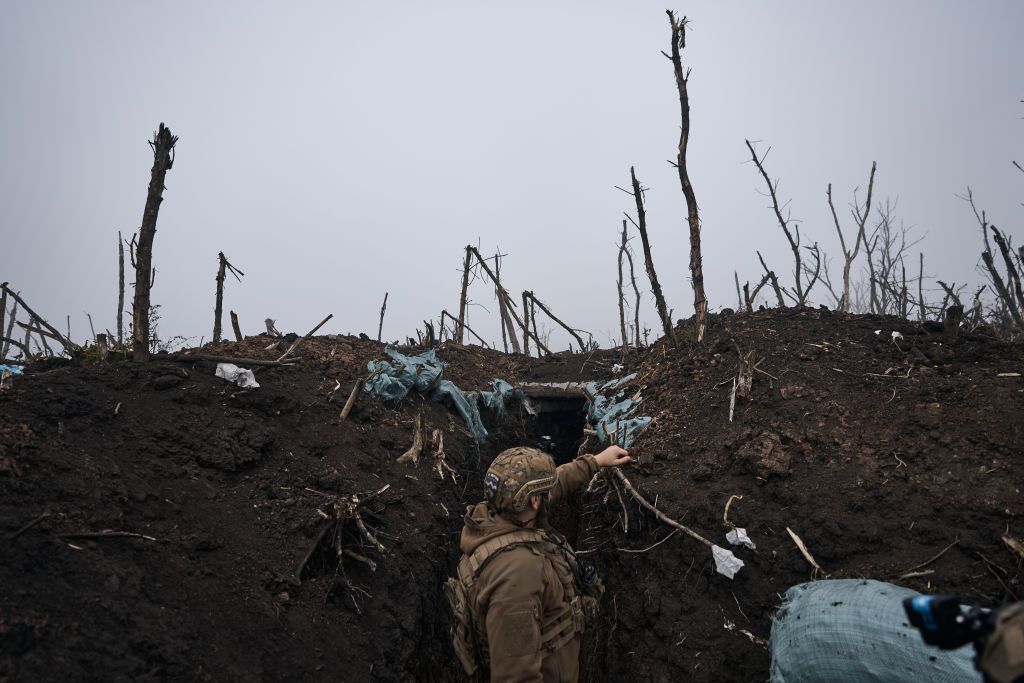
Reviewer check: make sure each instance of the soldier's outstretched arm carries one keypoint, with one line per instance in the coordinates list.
(511, 587)
(577, 473)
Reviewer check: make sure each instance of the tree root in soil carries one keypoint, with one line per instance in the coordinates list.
(347, 534)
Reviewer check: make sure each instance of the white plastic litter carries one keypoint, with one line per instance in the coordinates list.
(726, 563)
(878, 332)
(738, 536)
(896, 335)
(617, 368)
(240, 376)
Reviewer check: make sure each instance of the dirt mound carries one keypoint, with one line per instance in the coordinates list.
(156, 518)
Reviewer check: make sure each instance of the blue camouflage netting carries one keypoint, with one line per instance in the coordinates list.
(612, 417)
(855, 631)
(392, 382)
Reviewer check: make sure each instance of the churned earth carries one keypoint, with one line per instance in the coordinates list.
(158, 523)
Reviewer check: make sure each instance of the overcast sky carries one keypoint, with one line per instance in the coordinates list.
(338, 150)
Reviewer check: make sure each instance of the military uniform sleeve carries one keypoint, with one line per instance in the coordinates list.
(573, 475)
(511, 588)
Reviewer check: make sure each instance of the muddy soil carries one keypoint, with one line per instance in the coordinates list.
(878, 454)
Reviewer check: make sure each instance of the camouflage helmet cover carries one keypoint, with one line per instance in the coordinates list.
(515, 475)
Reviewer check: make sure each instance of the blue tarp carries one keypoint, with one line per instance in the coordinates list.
(612, 413)
(392, 381)
(855, 631)
(13, 369)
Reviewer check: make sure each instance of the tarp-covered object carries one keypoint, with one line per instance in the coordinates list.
(612, 417)
(392, 382)
(855, 631)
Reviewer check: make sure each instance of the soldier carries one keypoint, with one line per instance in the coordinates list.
(522, 590)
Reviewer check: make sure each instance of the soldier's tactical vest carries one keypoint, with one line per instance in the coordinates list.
(470, 638)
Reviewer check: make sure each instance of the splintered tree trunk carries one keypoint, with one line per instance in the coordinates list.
(3, 312)
(218, 307)
(659, 298)
(462, 297)
(120, 289)
(383, 308)
(526, 335)
(622, 298)
(700, 302)
(163, 159)
(508, 300)
(636, 297)
(235, 327)
(535, 301)
(506, 324)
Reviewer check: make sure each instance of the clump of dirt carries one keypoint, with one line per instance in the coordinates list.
(157, 520)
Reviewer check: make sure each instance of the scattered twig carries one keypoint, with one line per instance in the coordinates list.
(107, 533)
(914, 575)
(655, 545)
(725, 514)
(934, 557)
(1014, 544)
(303, 338)
(26, 527)
(806, 553)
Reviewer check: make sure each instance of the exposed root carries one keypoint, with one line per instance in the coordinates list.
(441, 465)
(416, 450)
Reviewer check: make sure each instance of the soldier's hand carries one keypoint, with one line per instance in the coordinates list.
(613, 456)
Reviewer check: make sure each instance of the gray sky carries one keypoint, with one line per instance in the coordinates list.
(335, 150)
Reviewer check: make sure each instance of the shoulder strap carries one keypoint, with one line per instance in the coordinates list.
(471, 565)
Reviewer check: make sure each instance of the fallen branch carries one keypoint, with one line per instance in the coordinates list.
(355, 392)
(26, 527)
(806, 553)
(934, 557)
(344, 509)
(188, 358)
(303, 338)
(107, 533)
(66, 343)
(658, 513)
(654, 545)
(1014, 544)
(24, 349)
(463, 326)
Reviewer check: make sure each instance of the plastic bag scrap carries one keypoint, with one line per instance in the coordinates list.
(855, 631)
(240, 376)
(392, 382)
(738, 536)
(612, 417)
(726, 563)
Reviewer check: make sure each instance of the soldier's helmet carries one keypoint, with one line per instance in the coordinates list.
(515, 475)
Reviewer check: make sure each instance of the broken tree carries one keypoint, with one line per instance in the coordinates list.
(641, 225)
(700, 302)
(163, 143)
(218, 307)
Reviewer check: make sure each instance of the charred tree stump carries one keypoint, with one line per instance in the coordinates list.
(163, 159)
(234, 326)
(120, 289)
(461, 334)
(641, 225)
(383, 308)
(218, 309)
(507, 329)
(3, 312)
(700, 302)
(622, 298)
(10, 326)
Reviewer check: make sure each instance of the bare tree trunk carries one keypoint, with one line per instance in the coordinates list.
(850, 254)
(570, 330)
(526, 337)
(920, 289)
(511, 309)
(3, 312)
(1012, 276)
(68, 345)
(739, 295)
(636, 295)
(622, 299)
(659, 298)
(462, 298)
(163, 159)
(794, 244)
(467, 327)
(120, 289)
(4, 346)
(700, 302)
(384, 307)
(536, 335)
(506, 324)
(869, 250)
(218, 307)
(234, 326)
(774, 280)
